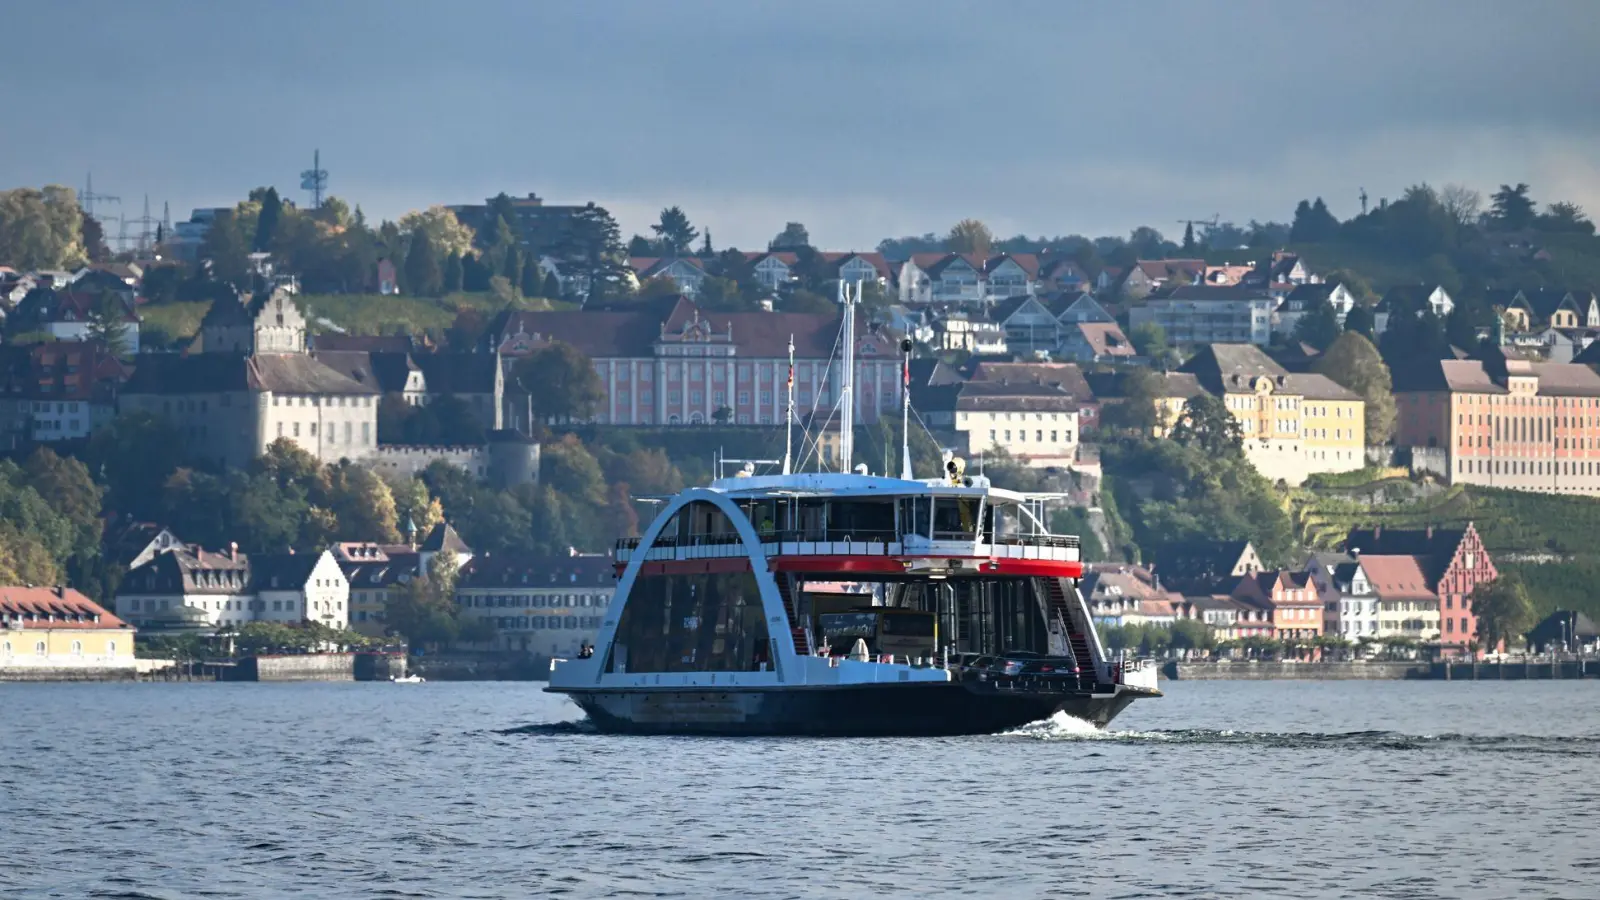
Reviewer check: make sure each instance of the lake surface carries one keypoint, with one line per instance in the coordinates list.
(1221, 789)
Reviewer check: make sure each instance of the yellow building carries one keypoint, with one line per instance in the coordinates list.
(1294, 424)
(58, 632)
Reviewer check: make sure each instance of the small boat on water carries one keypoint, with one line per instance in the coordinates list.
(408, 679)
(841, 603)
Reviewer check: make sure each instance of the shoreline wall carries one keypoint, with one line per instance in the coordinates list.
(1260, 670)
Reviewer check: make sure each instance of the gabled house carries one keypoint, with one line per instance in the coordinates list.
(1029, 325)
(850, 267)
(1451, 562)
(1414, 297)
(1084, 308)
(1304, 299)
(1059, 274)
(1092, 342)
(65, 315)
(1011, 275)
(1205, 567)
(956, 278)
(1066, 376)
(1292, 598)
(773, 269)
(1147, 275)
(686, 272)
(1551, 308)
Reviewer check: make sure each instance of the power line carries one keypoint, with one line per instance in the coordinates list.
(86, 200)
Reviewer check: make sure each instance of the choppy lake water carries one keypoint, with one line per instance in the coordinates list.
(489, 790)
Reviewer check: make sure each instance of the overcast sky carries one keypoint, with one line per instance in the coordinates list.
(860, 119)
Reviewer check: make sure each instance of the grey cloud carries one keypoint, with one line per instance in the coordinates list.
(863, 119)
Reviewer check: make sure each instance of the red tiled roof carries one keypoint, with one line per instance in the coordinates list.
(1396, 577)
(54, 608)
(634, 334)
(1106, 339)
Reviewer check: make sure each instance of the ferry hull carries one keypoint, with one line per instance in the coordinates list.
(867, 710)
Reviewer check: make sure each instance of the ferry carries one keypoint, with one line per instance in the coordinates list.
(848, 604)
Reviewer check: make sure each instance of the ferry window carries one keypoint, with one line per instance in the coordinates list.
(914, 515)
(702, 622)
(861, 520)
(955, 518)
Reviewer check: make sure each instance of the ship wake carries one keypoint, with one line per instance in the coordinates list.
(1062, 727)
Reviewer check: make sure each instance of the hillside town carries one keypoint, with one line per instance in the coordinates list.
(313, 458)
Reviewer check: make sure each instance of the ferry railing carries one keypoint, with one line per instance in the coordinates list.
(868, 541)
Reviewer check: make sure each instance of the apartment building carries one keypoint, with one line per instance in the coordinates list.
(1202, 314)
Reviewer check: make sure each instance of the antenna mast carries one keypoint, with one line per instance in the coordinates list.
(315, 179)
(788, 415)
(847, 394)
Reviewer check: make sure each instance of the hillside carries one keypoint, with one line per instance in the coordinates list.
(166, 323)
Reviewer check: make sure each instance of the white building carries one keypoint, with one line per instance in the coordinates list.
(190, 587)
(255, 383)
(545, 605)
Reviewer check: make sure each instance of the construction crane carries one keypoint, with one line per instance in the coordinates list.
(88, 197)
(1211, 222)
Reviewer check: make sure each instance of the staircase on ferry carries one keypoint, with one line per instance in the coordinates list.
(1061, 608)
(797, 629)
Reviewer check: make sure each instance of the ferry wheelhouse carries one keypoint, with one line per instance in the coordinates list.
(841, 603)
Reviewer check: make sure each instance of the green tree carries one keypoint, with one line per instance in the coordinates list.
(552, 287)
(562, 382)
(132, 457)
(94, 240)
(41, 229)
(107, 323)
(1503, 609)
(1188, 238)
(569, 468)
(1139, 411)
(532, 284)
(792, 237)
(1565, 217)
(226, 250)
(267, 220)
(424, 609)
(362, 504)
(1207, 424)
(1354, 364)
(1359, 320)
(1510, 207)
(674, 235)
(1313, 223)
(970, 236)
(423, 277)
(445, 232)
(452, 273)
(1150, 340)
(1319, 327)
(591, 253)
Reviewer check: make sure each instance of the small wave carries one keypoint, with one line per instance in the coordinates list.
(579, 726)
(1062, 727)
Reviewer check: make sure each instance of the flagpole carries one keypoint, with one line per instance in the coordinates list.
(905, 411)
(788, 415)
